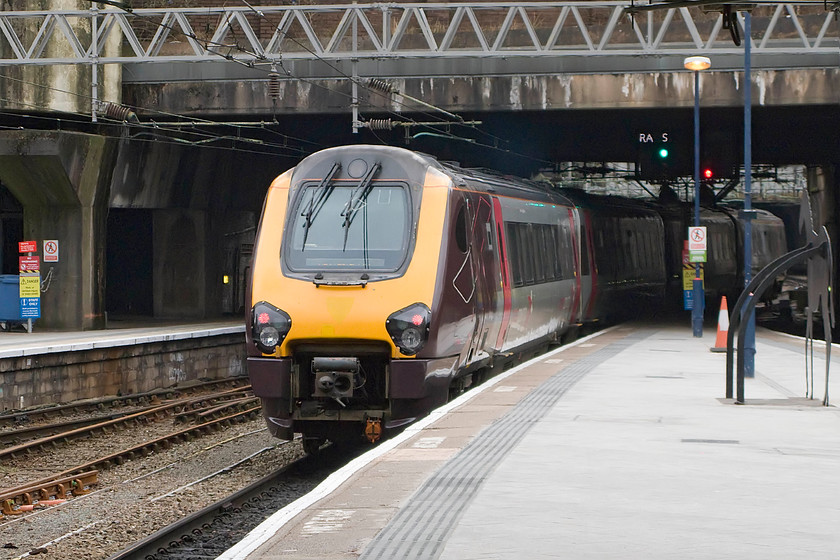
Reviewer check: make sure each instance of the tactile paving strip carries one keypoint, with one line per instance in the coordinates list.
(420, 529)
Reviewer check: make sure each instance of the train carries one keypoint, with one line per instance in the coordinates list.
(384, 281)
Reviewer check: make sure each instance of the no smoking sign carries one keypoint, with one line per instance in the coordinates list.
(50, 250)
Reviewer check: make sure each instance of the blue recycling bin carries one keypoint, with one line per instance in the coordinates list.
(10, 297)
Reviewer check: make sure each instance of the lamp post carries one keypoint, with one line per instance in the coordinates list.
(696, 64)
(749, 335)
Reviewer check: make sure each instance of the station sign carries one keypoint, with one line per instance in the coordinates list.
(697, 238)
(30, 308)
(29, 264)
(28, 246)
(50, 250)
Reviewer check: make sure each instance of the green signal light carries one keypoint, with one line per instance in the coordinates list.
(663, 153)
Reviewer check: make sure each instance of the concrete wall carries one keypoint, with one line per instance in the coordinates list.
(479, 92)
(68, 376)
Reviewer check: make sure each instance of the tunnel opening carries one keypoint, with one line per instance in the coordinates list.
(129, 279)
(11, 230)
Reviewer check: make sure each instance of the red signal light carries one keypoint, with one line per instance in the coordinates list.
(708, 173)
(263, 318)
(417, 320)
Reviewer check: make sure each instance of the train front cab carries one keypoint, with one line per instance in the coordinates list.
(340, 311)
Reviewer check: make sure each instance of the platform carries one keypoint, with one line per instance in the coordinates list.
(18, 343)
(43, 368)
(619, 446)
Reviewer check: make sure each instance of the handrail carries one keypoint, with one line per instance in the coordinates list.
(745, 305)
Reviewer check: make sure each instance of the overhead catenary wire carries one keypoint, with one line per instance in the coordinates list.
(121, 114)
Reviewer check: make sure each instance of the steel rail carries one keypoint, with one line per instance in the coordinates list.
(168, 409)
(19, 493)
(92, 405)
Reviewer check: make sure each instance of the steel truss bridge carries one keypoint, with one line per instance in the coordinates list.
(424, 39)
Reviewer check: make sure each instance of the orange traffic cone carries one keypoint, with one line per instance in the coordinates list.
(723, 327)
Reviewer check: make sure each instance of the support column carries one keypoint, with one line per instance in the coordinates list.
(62, 181)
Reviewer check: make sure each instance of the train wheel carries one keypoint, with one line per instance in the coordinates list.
(311, 445)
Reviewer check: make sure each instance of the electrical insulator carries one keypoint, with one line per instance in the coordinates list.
(381, 85)
(380, 124)
(274, 85)
(119, 113)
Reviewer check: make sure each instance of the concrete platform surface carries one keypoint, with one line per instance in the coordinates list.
(20, 343)
(620, 446)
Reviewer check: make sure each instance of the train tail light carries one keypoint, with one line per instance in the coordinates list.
(269, 326)
(409, 328)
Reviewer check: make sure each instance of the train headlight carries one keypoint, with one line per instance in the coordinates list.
(269, 326)
(409, 328)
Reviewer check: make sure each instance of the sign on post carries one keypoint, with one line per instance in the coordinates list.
(29, 265)
(50, 250)
(689, 272)
(27, 246)
(697, 238)
(30, 286)
(30, 308)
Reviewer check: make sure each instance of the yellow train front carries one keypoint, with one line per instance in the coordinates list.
(380, 283)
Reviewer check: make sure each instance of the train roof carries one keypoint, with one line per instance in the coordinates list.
(607, 202)
(413, 163)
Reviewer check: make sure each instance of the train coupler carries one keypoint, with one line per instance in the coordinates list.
(373, 429)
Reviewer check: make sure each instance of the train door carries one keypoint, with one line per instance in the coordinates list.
(586, 269)
(478, 212)
(503, 280)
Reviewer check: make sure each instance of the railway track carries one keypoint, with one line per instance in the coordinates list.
(45, 414)
(46, 488)
(66, 431)
(206, 413)
(212, 530)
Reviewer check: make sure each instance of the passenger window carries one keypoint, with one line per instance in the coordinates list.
(527, 244)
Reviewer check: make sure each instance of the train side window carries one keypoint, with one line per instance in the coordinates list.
(565, 258)
(461, 229)
(527, 244)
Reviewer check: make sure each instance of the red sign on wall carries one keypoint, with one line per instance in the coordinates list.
(28, 246)
(29, 264)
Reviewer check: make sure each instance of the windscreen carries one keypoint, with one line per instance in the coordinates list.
(345, 229)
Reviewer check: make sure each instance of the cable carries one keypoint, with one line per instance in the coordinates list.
(120, 111)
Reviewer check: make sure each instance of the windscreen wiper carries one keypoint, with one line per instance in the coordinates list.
(358, 198)
(319, 198)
